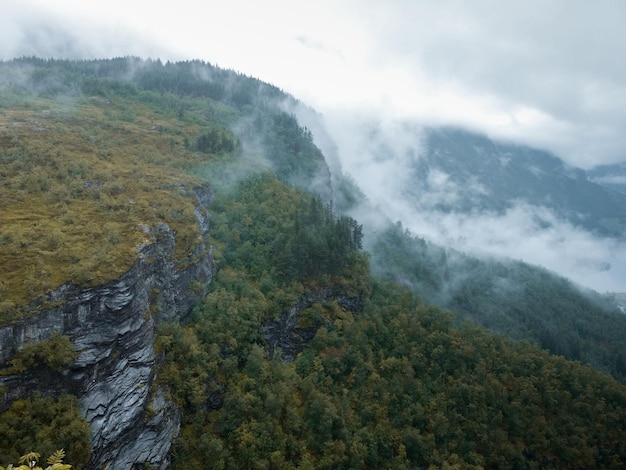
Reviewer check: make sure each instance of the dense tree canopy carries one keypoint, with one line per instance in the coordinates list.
(509, 297)
(393, 386)
(45, 424)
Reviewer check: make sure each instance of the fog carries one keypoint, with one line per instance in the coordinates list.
(378, 153)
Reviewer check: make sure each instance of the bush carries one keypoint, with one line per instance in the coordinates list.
(45, 424)
(54, 352)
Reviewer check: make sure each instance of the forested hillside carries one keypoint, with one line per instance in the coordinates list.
(305, 350)
(508, 297)
(386, 384)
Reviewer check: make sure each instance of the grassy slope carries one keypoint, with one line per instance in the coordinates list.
(80, 177)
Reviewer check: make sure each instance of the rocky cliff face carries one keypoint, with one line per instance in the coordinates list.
(113, 328)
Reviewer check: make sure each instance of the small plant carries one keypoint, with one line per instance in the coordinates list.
(54, 352)
(29, 462)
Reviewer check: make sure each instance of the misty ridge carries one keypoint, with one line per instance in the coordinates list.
(489, 198)
(390, 362)
(508, 236)
(454, 188)
(461, 220)
(460, 194)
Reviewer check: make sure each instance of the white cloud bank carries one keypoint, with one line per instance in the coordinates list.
(380, 157)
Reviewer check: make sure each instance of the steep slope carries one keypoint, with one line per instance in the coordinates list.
(112, 328)
(82, 185)
(421, 183)
(104, 236)
(331, 369)
(508, 297)
(268, 344)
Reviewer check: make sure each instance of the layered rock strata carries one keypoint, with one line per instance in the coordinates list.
(113, 328)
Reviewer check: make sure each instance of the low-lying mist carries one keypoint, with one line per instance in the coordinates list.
(380, 155)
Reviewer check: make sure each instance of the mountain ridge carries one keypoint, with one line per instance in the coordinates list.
(380, 380)
(509, 173)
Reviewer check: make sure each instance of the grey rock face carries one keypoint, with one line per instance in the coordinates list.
(284, 334)
(113, 327)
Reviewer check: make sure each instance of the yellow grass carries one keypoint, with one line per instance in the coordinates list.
(77, 181)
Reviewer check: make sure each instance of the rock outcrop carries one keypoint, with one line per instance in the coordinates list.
(285, 336)
(113, 328)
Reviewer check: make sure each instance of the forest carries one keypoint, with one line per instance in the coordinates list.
(391, 385)
(509, 297)
(408, 355)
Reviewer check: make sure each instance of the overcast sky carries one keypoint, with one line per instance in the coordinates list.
(549, 73)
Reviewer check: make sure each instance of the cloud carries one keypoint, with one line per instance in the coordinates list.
(31, 28)
(615, 179)
(545, 73)
(380, 154)
(532, 234)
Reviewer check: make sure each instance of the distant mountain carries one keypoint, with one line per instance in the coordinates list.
(610, 176)
(470, 172)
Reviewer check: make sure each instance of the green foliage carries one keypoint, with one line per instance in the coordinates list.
(290, 147)
(45, 424)
(216, 141)
(513, 298)
(57, 457)
(257, 230)
(396, 386)
(283, 231)
(55, 352)
(29, 462)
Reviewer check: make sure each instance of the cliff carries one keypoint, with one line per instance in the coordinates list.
(285, 337)
(113, 328)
